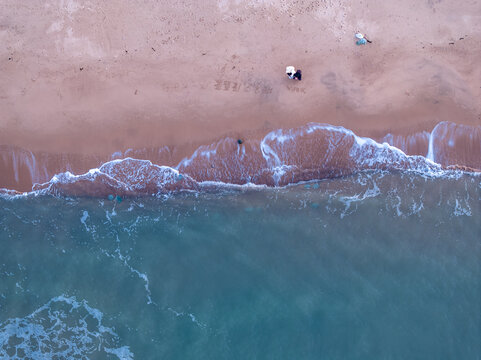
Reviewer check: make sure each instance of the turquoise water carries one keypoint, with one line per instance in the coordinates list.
(372, 266)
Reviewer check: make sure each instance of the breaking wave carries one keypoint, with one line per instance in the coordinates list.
(282, 157)
(63, 328)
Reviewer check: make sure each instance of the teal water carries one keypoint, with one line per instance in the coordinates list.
(373, 266)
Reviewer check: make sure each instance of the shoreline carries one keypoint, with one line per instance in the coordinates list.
(311, 152)
(84, 82)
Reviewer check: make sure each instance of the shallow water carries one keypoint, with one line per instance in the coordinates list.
(374, 265)
(281, 157)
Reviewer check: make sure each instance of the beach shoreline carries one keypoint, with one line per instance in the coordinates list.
(87, 81)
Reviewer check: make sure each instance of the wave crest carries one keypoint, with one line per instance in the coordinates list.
(282, 157)
(121, 177)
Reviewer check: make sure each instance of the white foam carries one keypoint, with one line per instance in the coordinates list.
(60, 329)
(116, 155)
(277, 148)
(220, 184)
(83, 220)
(241, 151)
(123, 353)
(431, 155)
(190, 315)
(203, 151)
(142, 276)
(125, 260)
(139, 173)
(416, 208)
(370, 192)
(461, 209)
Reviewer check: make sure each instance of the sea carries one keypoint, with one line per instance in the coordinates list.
(358, 252)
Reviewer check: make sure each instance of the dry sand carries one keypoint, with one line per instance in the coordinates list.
(89, 78)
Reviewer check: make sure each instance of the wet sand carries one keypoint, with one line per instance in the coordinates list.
(81, 81)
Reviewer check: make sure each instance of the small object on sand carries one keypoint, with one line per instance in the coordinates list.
(451, 43)
(10, 58)
(81, 68)
(361, 39)
(153, 49)
(293, 74)
(239, 141)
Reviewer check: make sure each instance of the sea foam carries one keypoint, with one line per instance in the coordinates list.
(282, 157)
(63, 328)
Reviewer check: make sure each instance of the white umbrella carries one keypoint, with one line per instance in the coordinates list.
(359, 35)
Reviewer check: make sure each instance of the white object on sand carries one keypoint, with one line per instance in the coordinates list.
(290, 71)
(359, 36)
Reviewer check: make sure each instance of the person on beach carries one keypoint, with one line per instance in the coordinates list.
(292, 73)
(361, 39)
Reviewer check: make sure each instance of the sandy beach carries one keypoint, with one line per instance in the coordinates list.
(80, 81)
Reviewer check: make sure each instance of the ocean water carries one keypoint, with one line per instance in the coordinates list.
(372, 265)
